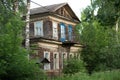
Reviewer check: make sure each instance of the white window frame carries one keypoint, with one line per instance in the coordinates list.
(47, 65)
(64, 57)
(71, 55)
(38, 28)
(55, 30)
(55, 60)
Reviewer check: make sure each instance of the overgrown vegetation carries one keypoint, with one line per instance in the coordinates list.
(100, 36)
(73, 66)
(108, 75)
(14, 63)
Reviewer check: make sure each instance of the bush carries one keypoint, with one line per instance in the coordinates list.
(14, 63)
(73, 66)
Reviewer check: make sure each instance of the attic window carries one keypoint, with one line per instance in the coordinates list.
(62, 13)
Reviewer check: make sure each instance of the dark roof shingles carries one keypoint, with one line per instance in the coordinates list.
(50, 8)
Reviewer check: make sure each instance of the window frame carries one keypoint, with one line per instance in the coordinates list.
(62, 32)
(56, 64)
(70, 30)
(47, 65)
(55, 30)
(39, 31)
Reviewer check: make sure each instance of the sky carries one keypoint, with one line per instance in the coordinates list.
(76, 5)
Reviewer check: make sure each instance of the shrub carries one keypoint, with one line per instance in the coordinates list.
(73, 66)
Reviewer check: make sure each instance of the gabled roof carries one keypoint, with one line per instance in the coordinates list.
(49, 8)
(53, 8)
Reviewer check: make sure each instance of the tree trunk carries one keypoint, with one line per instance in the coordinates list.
(15, 5)
(27, 40)
(117, 27)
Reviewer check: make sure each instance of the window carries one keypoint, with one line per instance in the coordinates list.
(56, 60)
(55, 30)
(64, 57)
(37, 60)
(62, 27)
(62, 11)
(71, 55)
(47, 56)
(38, 28)
(70, 32)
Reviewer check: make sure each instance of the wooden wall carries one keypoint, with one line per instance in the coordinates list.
(48, 28)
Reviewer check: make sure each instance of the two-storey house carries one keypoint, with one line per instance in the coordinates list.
(52, 29)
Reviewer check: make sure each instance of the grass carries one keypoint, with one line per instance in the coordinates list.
(108, 75)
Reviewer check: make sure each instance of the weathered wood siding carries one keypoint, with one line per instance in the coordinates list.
(47, 29)
(32, 29)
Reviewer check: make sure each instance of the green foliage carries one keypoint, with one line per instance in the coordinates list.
(73, 66)
(108, 75)
(108, 12)
(101, 48)
(14, 63)
(8, 5)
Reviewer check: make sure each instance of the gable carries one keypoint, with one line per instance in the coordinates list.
(67, 12)
(63, 12)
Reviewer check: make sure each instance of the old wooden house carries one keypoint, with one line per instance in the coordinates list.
(52, 29)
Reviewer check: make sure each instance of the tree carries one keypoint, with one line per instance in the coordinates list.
(109, 14)
(27, 40)
(14, 64)
(101, 48)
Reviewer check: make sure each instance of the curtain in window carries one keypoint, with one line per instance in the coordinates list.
(38, 25)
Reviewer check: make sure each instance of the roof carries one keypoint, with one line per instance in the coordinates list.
(45, 60)
(49, 8)
(53, 8)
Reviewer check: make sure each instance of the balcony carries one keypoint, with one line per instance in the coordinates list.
(70, 39)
